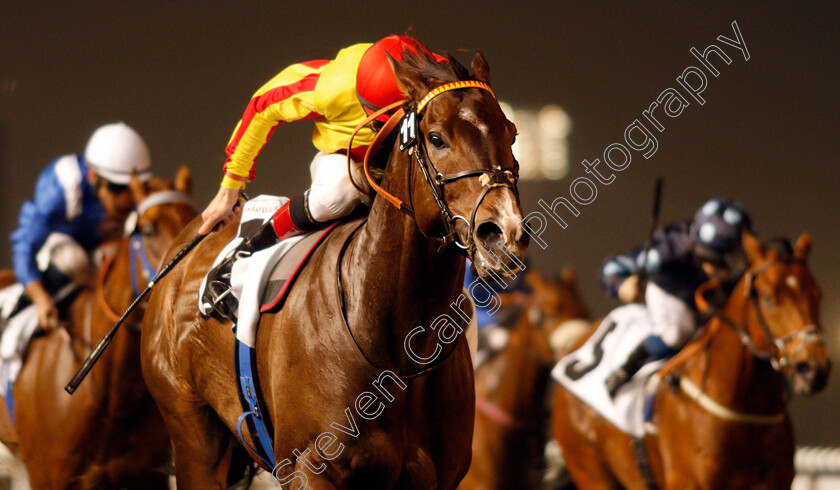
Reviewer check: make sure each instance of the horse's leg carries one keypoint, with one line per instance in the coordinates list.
(48, 420)
(201, 443)
(584, 460)
(8, 434)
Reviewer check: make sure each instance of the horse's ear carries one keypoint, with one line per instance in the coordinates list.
(803, 247)
(137, 188)
(183, 180)
(568, 274)
(412, 84)
(480, 68)
(753, 248)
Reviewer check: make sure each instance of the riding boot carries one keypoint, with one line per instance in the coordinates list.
(280, 227)
(620, 376)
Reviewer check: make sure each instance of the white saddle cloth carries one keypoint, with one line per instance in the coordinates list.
(249, 275)
(584, 371)
(18, 330)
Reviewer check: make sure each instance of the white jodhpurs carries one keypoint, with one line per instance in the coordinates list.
(332, 195)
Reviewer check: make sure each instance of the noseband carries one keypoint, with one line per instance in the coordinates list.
(413, 140)
(776, 356)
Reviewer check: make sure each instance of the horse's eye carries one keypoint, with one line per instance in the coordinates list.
(436, 141)
(148, 230)
(768, 300)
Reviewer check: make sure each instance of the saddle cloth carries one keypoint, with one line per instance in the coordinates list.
(584, 371)
(257, 281)
(19, 325)
(60, 259)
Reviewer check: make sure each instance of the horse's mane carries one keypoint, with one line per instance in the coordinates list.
(781, 246)
(429, 67)
(156, 184)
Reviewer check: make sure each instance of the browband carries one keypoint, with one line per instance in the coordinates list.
(452, 86)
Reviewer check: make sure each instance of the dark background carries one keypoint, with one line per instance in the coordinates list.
(182, 72)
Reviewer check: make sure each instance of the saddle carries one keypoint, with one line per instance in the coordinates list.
(258, 283)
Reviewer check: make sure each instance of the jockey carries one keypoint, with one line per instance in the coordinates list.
(681, 257)
(338, 95)
(80, 196)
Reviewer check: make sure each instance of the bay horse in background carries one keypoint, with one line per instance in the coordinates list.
(109, 434)
(395, 276)
(7, 278)
(511, 418)
(720, 411)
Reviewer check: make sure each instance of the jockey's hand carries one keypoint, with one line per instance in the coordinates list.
(220, 212)
(629, 291)
(47, 312)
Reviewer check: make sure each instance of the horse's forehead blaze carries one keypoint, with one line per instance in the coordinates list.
(479, 113)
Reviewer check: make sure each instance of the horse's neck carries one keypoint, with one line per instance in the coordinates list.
(122, 356)
(395, 280)
(523, 384)
(736, 377)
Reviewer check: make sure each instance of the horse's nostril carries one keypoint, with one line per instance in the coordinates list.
(488, 233)
(804, 368)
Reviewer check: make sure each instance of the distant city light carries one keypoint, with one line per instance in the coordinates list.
(541, 147)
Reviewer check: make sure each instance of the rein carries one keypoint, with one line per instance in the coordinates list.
(100, 289)
(341, 306)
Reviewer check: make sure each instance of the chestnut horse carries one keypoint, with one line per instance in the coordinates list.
(720, 411)
(109, 434)
(511, 416)
(398, 280)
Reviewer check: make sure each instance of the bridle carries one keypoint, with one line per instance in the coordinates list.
(776, 354)
(436, 180)
(409, 119)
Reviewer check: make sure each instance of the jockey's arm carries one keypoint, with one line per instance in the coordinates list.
(38, 218)
(47, 312)
(672, 320)
(34, 227)
(285, 98)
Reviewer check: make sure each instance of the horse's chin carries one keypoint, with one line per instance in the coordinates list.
(490, 265)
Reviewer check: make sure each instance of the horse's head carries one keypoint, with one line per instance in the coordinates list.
(162, 211)
(464, 184)
(784, 318)
(555, 308)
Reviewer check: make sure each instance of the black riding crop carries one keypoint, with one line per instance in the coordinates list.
(108, 337)
(657, 201)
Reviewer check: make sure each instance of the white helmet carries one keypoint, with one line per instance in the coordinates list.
(115, 150)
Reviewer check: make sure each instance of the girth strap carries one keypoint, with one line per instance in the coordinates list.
(643, 462)
(251, 399)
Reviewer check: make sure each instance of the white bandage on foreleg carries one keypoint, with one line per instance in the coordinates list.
(332, 195)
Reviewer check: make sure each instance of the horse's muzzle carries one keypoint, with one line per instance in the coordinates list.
(810, 376)
(500, 245)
